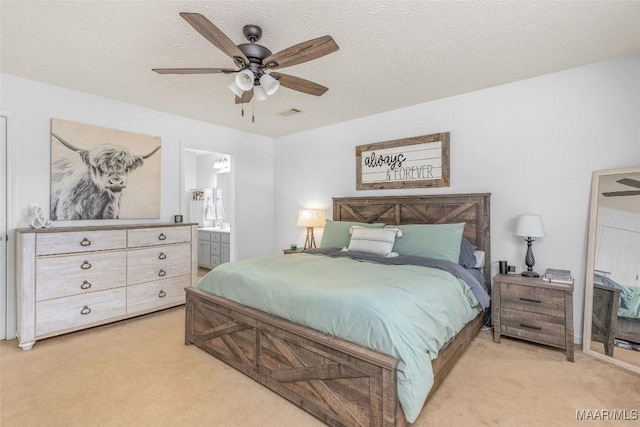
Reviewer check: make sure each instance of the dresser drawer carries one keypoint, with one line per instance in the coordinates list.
(533, 326)
(158, 236)
(80, 241)
(145, 265)
(215, 249)
(149, 296)
(64, 314)
(58, 277)
(215, 237)
(533, 299)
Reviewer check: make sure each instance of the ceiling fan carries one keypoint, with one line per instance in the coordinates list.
(625, 181)
(253, 60)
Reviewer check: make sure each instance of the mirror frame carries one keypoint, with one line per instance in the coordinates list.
(591, 253)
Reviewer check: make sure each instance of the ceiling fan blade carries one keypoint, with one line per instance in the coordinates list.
(215, 36)
(246, 97)
(194, 70)
(621, 193)
(630, 182)
(302, 52)
(301, 85)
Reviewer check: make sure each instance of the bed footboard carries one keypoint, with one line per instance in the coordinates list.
(340, 383)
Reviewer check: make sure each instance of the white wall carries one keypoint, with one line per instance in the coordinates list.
(190, 181)
(32, 106)
(533, 144)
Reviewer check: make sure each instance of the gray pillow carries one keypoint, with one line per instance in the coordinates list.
(467, 258)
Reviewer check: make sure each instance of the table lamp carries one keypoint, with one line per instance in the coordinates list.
(529, 226)
(311, 218)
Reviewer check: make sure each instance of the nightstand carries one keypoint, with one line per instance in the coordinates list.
(533, 310)
(292, 251)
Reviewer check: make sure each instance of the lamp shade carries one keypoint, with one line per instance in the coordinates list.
(244, 79)
(269, 84)
(235, 88)
(529, 226)
(311, 218)
(259, 93)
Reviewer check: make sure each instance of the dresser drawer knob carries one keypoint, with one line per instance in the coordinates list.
(85, 242)
(85, 310)
(85, 285)
(535, 328)
(162, 256)
(536, 301)
(162, 294)
(85, 265)
(162, 236)
(162, 273)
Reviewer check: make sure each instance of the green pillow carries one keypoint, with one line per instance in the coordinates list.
(441, 241)
(336, 233)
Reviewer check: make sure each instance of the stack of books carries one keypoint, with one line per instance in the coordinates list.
(556, 275)
(627, 344)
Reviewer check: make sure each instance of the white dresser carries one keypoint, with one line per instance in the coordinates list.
(71, 278)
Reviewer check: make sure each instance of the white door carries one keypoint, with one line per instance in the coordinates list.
(3, 228)
(618, 254)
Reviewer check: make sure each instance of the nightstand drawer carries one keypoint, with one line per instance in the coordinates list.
(533, 326)
(533, 299)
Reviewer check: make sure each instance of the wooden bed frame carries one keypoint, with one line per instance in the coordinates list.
(606, 324)
(341, 383)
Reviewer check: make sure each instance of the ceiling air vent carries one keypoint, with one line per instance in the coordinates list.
(290, 112)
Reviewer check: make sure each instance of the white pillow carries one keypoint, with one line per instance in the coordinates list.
(479, 259)
(377, 241)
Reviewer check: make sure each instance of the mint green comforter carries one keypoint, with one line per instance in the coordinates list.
(631, 297)
(406, 311)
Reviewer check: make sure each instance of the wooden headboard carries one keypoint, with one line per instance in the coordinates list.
(472, 209)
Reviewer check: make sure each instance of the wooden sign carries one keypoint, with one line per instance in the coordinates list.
(421, 161)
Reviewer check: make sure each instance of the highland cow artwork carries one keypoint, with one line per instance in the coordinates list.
(101, 173)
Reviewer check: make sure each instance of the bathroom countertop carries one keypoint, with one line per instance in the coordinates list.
(216, 229)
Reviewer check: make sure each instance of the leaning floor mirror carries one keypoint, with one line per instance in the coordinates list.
(612, 293)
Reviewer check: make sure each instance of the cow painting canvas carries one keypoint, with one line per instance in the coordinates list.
(101, 173)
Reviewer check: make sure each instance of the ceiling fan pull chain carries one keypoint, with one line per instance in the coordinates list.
(242, 110)
(253, 115)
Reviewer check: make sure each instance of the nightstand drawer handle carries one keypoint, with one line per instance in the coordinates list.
(85, 285)
(535, 328)
(162, 294)
(162, 273)
(85, 310)
(85, 242)
(162, 256)
(531, 300)
(162, 236)
(85, 265)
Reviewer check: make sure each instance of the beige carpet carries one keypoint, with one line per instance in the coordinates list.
(139, 373)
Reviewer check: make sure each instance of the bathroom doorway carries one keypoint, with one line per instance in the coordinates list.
(208, 200)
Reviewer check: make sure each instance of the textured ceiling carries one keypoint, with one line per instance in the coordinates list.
(392, 53)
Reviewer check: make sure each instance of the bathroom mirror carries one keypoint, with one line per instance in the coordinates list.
(612, 293)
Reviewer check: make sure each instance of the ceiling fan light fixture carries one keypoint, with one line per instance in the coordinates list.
(244, 79)
(259, 94)
(236, 89)
(269, 84)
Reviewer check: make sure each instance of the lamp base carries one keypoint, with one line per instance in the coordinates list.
(530, 274)
(310, 241)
